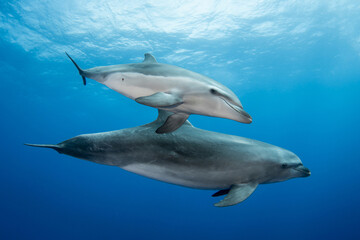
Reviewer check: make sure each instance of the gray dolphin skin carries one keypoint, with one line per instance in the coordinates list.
(169, 88)
(189, 157)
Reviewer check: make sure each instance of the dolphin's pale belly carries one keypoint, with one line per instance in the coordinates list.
(134, 85)
(188, 176)
(182, 178)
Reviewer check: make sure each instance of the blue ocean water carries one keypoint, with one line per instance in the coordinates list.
(295, 65)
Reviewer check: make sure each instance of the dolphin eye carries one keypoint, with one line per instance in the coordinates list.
(284, 165)
(213, 91)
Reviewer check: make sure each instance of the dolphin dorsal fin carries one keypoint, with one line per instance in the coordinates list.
(149, 58)
(163, 116)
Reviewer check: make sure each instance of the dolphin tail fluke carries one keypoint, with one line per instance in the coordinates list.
(52, 146)
(78, 68)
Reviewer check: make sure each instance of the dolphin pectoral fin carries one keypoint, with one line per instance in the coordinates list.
(172, 123)
(160, 99)
(237, 194)
(221, 192)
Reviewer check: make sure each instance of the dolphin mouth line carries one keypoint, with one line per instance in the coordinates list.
(237, 109)
(303, 169)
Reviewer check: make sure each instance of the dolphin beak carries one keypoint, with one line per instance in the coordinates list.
(245, 117)
(303, 170)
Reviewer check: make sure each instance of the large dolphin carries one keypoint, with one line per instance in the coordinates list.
(189, 157)
(170, 88)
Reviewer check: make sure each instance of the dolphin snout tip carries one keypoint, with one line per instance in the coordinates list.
(246, 118)
(304, 170)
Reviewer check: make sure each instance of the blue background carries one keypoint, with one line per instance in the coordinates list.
(295, 65)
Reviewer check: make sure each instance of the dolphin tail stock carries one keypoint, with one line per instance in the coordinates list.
(81, 72)
(52, 146)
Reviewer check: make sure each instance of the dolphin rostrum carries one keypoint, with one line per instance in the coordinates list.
(189, 157)
(170, 88)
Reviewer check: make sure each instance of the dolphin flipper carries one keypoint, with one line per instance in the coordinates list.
(160, 99)
(221, 192)
(172, 123)
(237, 194)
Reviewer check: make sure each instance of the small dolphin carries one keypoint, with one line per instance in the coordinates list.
(170, 88)
(189, 157)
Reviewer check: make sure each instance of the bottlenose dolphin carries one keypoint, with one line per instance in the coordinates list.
(170, 88)
(189, 157)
